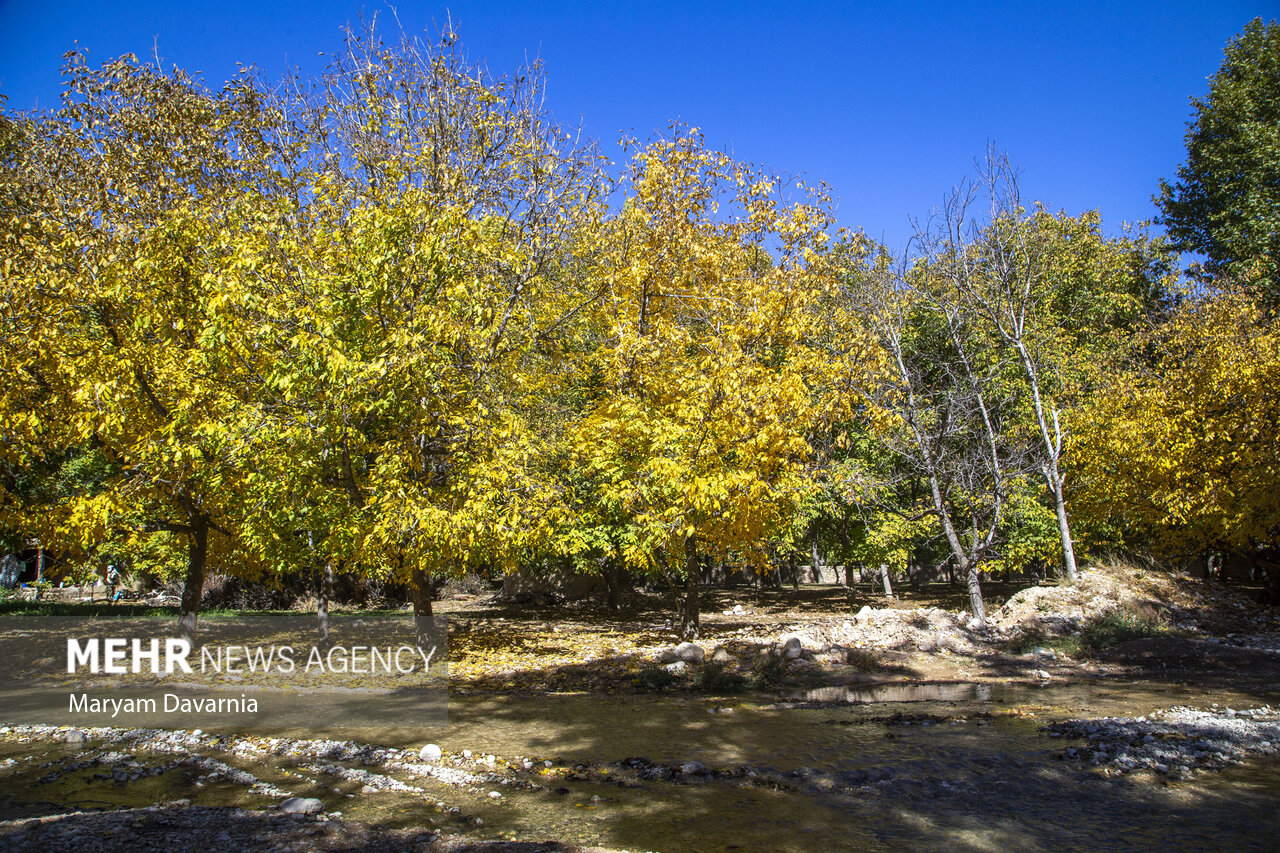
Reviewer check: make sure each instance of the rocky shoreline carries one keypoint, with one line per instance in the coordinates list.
(1173, 743)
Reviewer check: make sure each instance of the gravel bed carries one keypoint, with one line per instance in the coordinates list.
(181, 828)
(320, 755)
(1174, 742)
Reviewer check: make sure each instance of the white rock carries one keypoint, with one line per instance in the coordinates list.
(690, 652)
(430, 752)
(302, 805)
(677, 668)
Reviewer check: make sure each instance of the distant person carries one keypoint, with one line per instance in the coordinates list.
(113, 583)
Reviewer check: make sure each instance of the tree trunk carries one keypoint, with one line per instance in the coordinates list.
(1064, 527)
(689, 611)
(975, 596)
(193, 587)
(844, 555)
(816, 565)
(884, 577)
(1053, 453)
(424, 626)
(322, 608)
(612, 584)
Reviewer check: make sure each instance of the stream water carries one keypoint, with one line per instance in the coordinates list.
(813, 771)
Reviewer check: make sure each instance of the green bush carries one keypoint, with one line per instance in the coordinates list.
(714, 678)
(767, 670)
(1066, 644)
(864, 660)
(1121, 625)
(654, 678)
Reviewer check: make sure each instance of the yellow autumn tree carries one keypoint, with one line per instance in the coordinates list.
(417, 296)
(116, 321)
(1183, 450)
(695, 439)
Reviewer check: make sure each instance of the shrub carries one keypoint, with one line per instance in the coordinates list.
(714, 678)
(863, 660)
(1065, 644)
(767, 670)
(654, 678)
(1120, 625)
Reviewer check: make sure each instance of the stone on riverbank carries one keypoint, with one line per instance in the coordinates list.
(302, 805)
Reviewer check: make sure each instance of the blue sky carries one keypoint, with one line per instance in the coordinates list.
(889, 103)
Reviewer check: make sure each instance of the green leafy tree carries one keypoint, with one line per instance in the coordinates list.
(1226, 200)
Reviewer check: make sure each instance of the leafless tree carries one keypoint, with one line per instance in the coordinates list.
(1000, 270)
(951, 408)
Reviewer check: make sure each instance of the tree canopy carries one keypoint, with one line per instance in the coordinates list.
(1225, 202)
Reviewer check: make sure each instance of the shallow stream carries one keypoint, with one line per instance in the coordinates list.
(959, 767)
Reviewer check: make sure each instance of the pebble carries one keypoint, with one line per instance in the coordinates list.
(430, 752)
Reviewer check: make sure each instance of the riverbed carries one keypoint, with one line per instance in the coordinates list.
(901, 766)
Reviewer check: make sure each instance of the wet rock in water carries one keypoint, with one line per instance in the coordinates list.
(690, 653)
(302, 805)
(694, 768)
(430, 752)
(790, 648)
